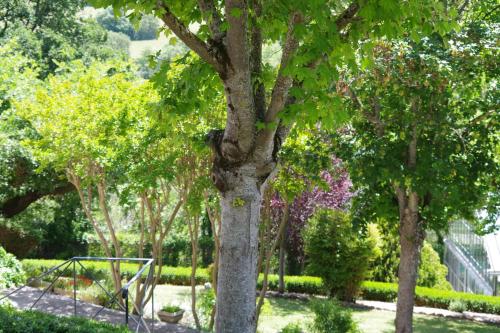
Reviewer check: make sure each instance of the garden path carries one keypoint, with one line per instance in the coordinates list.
(63, 306)
(474, 316)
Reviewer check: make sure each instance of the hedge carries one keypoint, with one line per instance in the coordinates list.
(175, 275)
(378, 291)
(15, 321)
(388, 292)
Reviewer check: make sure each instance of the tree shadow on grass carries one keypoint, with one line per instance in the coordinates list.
(283, 306)
(447, 325)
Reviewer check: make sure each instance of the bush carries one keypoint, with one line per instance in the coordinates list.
(292, 328)
(118, 42)
(336, 253)
(11, 270)
(109, 21)
(14, 321)
(330, 317)
(431, 273)
(206, 304)
(457, 306)
(148, 28)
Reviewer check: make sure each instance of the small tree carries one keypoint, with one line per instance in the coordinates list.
(84, 127)
(337, 253)
(422, 149)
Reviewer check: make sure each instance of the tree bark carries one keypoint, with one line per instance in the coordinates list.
(411, 237)
(238, 252)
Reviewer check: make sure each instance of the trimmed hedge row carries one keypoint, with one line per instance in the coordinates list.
(435, 298)
(15, 321)
(378, 291)
(174, 275)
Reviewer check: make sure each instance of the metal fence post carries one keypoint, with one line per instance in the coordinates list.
(125, 295)
(74, 286)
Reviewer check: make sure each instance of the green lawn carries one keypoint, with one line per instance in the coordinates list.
(278, 312)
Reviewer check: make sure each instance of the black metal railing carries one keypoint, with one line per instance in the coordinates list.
(138, 318)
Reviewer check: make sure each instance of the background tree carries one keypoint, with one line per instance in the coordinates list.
(422, 144)
(83, 128)
(36, 37)
(332, 245)
(315, 36)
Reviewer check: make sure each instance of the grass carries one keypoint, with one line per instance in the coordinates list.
(278, 312)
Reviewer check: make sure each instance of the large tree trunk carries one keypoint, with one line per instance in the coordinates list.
(238, 252)
(411, 237)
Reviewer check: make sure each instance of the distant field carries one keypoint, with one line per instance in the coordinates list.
(138, 47)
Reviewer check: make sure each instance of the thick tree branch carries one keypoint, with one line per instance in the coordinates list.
(237, 46)
(267, 137)
(18, 204)
(347, 16)
(211, 55)
(239, 134)
(284, 82)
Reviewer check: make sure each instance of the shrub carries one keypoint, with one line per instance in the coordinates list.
(14, 321)
(118, 42)
(330, 317)
(292, 328)
(457, 306)
(336, 253)
(11, 270)
(206, 304)
(431, 273)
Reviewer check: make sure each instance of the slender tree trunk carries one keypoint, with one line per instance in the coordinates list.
(238, 252)
(271, 248)
(193, 224)
(281, 269)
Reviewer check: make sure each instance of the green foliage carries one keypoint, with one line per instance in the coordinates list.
(118, 42)
(442, 96)
(431, 272)
(171, 308)
(317, 36)
(84, 123)
(337, 253)
(176, 248)
(387, 292)
(11, 270)
(292, 328)
(109, 21)
(205, 304)
(384, 267)
(50, 32)
(457, 306)
(15, 321)
(147, 29)
(331, 317)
